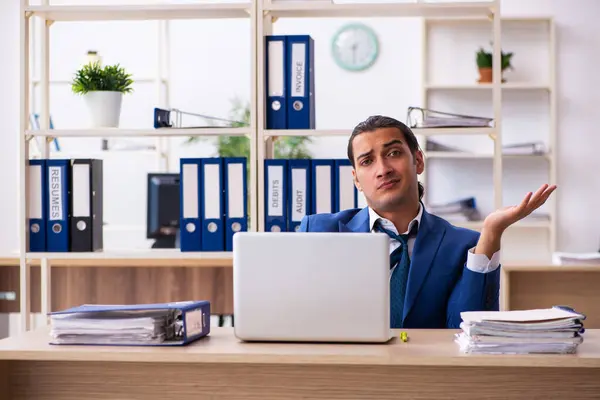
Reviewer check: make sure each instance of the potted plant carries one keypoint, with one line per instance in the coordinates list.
(485, 63)
(103, 89)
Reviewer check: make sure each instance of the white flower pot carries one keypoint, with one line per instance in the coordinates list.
(104, 108)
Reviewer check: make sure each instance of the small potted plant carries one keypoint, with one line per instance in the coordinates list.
(103, 89)
(485, 63)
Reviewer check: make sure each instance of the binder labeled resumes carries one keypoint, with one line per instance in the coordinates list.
(347, 194)
(213, 229)
(276, 81)
(190, 198)
(164, 324)
(323, 191)
(86, 205)
(37, 205)
(301, 82)
(299, 200)
(275, 195)
(236, 202)
(57, 227)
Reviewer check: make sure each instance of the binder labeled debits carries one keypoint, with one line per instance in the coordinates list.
(190, 190)
(58, 194)
(86, 205)
(236, 199)
(275, 195)
(299, 192)
(276, 81)
(37, 205)
(301, 81)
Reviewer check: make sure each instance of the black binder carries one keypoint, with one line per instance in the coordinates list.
(86, 205)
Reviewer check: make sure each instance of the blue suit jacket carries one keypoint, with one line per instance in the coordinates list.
(440, 286)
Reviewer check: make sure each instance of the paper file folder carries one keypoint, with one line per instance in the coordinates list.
(213, 229)
(276, 81)
(86, 202)
(58, 194)
(299, 201)
(37, 205)
(236, 198)
(346, 196)
(190, 198)
(275, 195)
(323, 192)
(301, 82)
(162, 324)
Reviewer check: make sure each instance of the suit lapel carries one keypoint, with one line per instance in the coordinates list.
(359, 223)
(427, 243)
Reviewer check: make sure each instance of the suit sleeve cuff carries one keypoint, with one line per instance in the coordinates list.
(481, 263)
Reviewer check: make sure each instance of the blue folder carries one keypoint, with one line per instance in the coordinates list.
(184, 322)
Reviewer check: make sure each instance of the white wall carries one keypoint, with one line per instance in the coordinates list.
(208, 69)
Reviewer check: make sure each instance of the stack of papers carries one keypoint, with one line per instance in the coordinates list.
(145, 324)
(554, 330)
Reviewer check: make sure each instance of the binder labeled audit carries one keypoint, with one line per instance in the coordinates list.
(346, 196)
(160, 324)
(213, 229)
(275, 195)
(86, 205)
(299, 192)
(276, 81)
(301, 82)
(323, 191)
(37, 184)
(236, 198)
(58, 195)
(190, 202)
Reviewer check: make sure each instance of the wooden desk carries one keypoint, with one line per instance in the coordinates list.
(428, 366)
(541, 286)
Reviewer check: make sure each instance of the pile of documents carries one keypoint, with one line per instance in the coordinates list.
(554, 330)
(460, 210)
(145, 324)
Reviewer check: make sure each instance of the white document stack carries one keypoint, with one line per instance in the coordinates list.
(554, 330)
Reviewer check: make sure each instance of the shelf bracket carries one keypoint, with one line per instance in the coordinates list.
(28, 138)
(49, 22)
(492, 136)
(28, 14)
(49, 139)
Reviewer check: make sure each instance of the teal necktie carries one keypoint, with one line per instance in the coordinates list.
(399, 277)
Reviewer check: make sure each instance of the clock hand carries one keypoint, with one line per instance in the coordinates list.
(354, 45)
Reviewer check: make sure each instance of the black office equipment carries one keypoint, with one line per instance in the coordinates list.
(162, 221)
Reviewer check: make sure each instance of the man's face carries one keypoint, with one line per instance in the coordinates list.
(385, 169)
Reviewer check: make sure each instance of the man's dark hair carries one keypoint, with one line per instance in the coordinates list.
(378, 122)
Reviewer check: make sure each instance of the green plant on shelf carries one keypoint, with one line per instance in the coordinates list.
(485, 64)
(287, 147)
(94, 77)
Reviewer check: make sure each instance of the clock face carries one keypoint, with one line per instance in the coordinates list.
(355, 47)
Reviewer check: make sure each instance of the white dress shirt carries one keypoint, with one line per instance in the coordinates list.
(475, 262)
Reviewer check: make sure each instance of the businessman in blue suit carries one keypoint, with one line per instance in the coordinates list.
(437, 270)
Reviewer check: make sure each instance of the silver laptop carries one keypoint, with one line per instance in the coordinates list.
(311, 287)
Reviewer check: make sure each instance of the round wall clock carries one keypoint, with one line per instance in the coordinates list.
(355, 47)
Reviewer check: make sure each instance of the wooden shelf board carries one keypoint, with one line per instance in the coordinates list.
(488, 86)
(327, 9)
(123, 132)
(141, 12)
(347, 132)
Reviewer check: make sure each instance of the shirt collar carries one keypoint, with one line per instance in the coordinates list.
(373, 217)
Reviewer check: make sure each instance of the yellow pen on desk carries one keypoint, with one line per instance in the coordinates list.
(404, 336)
